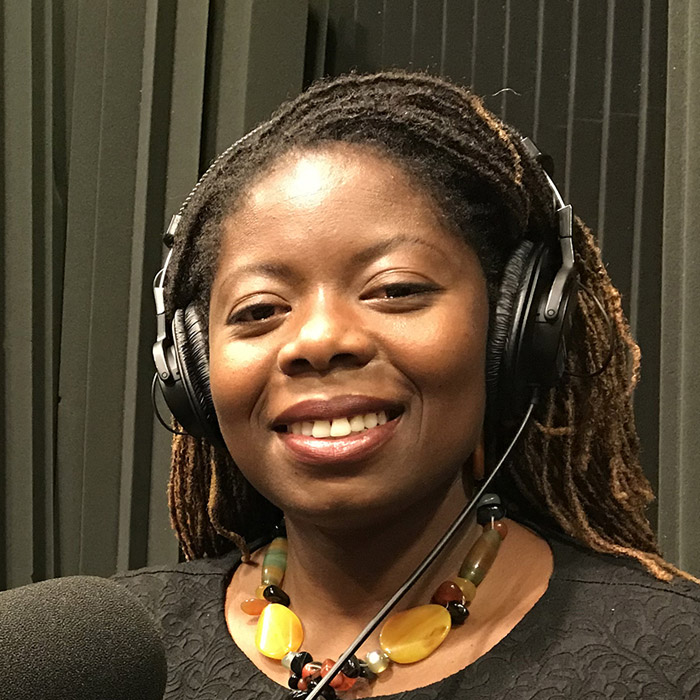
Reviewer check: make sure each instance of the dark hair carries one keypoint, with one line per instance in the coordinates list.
(577, 464)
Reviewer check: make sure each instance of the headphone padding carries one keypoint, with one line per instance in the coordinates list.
(504, 315)
(193, 360)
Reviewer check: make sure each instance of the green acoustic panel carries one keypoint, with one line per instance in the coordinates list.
(680, 333)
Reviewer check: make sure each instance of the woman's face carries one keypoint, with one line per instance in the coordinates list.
(340, 293)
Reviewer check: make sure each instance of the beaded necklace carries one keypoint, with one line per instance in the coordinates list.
(406, 637)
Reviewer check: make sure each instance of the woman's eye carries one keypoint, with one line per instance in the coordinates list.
(256, 313)
(398, 290)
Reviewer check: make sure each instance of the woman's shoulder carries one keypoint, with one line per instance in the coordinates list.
(171, 588)
(611, 575)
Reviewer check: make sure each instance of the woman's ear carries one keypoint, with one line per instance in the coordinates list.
(477, 459)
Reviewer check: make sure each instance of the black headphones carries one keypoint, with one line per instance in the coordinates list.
(526, 348)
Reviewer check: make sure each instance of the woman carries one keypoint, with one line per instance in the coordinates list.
(347, 272)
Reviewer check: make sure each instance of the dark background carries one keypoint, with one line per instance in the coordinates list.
(112, 108)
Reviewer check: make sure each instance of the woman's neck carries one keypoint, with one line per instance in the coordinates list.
(345, 577)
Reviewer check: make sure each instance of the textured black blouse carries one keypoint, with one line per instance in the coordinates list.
(603, 629)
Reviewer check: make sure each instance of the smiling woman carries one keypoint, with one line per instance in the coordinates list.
(355, 290)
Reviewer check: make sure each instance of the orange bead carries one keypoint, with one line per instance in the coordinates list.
(253, 606)
(447, 592)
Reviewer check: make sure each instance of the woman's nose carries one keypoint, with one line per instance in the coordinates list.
(326, 336)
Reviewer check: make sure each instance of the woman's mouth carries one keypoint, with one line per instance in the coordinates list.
(340, 439)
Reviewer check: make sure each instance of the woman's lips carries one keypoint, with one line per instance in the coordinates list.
(338, 450)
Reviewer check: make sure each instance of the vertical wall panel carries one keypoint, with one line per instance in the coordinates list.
(19, 251)
(679, 487)
(114, 108)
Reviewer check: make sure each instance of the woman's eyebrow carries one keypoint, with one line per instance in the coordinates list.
(285, 272)
(382, 247)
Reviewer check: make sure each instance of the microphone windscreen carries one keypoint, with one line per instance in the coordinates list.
(78, 638)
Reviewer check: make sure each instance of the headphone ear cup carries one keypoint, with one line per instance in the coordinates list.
(506, 326)
(192, 355)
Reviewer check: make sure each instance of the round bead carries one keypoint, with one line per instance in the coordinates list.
(351, 668)
(377, 662)
(293, 681)
(274, 594)
(480, 557)
(311, 669)
(253, 606)
(301, 658)
(328, 693)
(489, 499)
(279, 632)
(467, 587)
(446, 592)
(500, 526)
(458, 612)
(414, 634)
(302, 684)
(340, 681)
(485, 514)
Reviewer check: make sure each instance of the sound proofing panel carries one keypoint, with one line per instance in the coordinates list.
(112, 109)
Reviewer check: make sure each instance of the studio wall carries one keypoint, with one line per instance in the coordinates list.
(112, 108)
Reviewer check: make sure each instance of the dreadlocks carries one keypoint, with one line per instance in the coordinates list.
(578, 462)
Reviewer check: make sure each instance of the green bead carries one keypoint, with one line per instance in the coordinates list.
(480, 557)
(274, 562)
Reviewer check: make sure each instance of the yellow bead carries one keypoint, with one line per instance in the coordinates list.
(279, 631)
(467, 587)
(260, 590)
(414, 634)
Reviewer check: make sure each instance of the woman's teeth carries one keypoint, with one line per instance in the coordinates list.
(338, 427)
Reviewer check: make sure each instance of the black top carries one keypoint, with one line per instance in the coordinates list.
(603, 629)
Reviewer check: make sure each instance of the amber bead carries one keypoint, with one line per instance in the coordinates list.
(414, 634)
(253, 606)
(311, 669)
(279, 632)
(467, 587)
(500, 526)
(458, 612)
(480, 557)
(340, 681)
(260, 590)
(446, 592)
(274, 594)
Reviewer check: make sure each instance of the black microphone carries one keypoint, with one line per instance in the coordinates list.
(78, 638)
